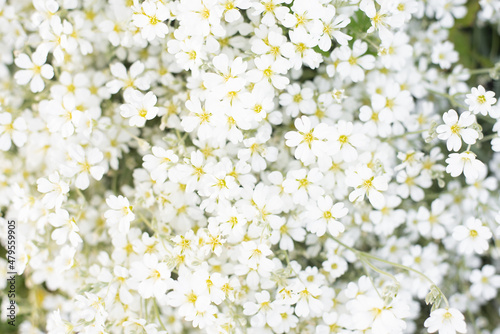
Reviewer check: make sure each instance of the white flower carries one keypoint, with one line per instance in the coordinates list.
(431, 223)
(485, 283)
(353, 63)
(213, 240)
(344, 139)
(190, 294)
(444, 55)
(480, 100)
(127, 80)
(120, 212)
(465, 162)
(473, 237)
(55, 190)
(268, 71)
(332, 23)
(255, 256)
(304, 53)
(138, 107)
(446, 321)
(324, 214)
(375, 313)
(366, 183)
(308, 140)
(149, 18)
(285, 231)
(270, 10)
(455, 129)
(83, 164)
(66, 228)
(297, 99)
(204, 118)
(12, 131)
(152, 275)
(335, 266)
(159, 162)
(33, 70)
(411, 184)
(303, 184)
(308, 302)
(257, 152)
(260, 310)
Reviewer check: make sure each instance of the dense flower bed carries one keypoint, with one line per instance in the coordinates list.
(245, 166)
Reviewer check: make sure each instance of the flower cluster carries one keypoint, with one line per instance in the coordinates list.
(248, 166)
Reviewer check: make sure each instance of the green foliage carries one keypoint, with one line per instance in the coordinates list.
(361, 22)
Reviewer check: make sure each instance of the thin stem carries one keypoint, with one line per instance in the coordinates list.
(472, 321)
(147, 222)
(488, 137)
(361, 254)
(406, 134)
(81, 194)
(380, 271)
(481, 71)
(450, 98)
(157, 312)
(364, 263)
(394, 264)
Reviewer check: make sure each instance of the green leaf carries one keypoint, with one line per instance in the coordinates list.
(463, 45)
(469, 19)
(360, 23)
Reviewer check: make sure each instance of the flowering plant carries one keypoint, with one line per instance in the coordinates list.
(250, 166)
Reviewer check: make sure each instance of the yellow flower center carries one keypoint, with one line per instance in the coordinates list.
(303, 183)
(153, 20)
(308, 137)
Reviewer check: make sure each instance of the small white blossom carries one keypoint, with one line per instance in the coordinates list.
(473, 237)
(465, 162)
(34, 70)
(55, 190)
(446, 321)
(455, 129)
(485, 283)
(139, 107)
(120, 212)
(12, 131)
(480, 100)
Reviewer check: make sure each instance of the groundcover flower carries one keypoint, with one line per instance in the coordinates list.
(250, 166)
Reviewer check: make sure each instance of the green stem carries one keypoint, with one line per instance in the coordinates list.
(405, 134)
(157, 312)
(364, 263)
(361, 254)
(450, 98)
(473, 323)
(146, 221)
(81, 194)
(480, 71)
(488, 137)
(380, 271)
